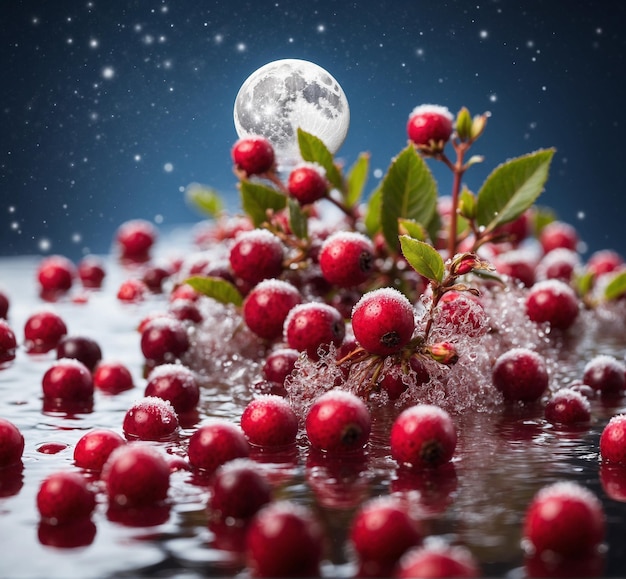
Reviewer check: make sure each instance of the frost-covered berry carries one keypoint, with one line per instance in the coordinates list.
(216, 443)
(267, 305)
(605, 374)
(175, 383)
(94, 448)
(314, 325)
(91, 272)
(257, 255)
(132, 291)
(43, 331)
(423, 436)
(521, 375)
(438, 559)
(461, 313)
(269, 421)
(568, 406)
(564, 518)
(430, 124)
(253, 155)
(151, 418)
(557, 235)
(65, 496)
(561, 263)
(383, 321)
(11, 443)
(55, 274)
(613, 440)
(135, 239)
(338, 421)
(604, 261)
(279, 364)
(554, 302)
(347, 258)
(8, 343)
(164, 340)
(307, 184)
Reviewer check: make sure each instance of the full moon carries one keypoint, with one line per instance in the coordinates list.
(288, 94)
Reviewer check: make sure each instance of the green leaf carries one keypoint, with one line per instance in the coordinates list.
(372, 213)
(297, 219)
(412, 229)
(409, 191)
(423, 258)
(313, 150)
(616, 288)
(357, 177)
(205, 199)
(583, 283)
(256, 199)
(217, 288)
(512, 188)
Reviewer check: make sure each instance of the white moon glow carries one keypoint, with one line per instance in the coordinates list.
(288, 94)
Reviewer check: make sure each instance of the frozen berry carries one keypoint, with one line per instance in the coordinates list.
(518, 264)
(613, 440)
(68, 380)
(564, 518)
(112, 377)
(307, 184)
(423, 436)
(8, 343)
(81, 348)
(267, 305)
(461, 313)
(64, 496)
(151, 418)
(253, 155)
(257, 255)
(91, 272)
(4, 305)
(238, 490)
(604, 261)
(94, 447)
(557, 235)
(438, 559)
(43, 331)
(216, 443)
(568, 406)
(605, 374)
(175, 383)
(56, 274)
(11, 443)
(430, 124)
(561, 263)
(132, 291)
(164, 340)
(269, 421)
(185, 311)
(279, 364)
(284, 540)
(154, 276)
(135, 239)
(136, 475)
(383, 321)
(521, 375)
(347, 258)
(313, 326)
(554, 302)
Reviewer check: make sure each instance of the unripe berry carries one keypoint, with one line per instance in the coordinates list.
(307, 184)
(347, 258)
(253, 155)
(430, 123)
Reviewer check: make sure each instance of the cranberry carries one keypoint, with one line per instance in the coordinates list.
(4, 305)
(338, 421)
(558, 235)
(11, 443)
(269, 421)
(94, 448)
(56, 274)
(423, 436)
(307, 184)
(313, 326)
(253, 155)
(554, 302)
(279, 364)
(185, 292)
(132, 291)
(462, 313)
(70, 535)
(164, 340)
(151, 418)
(8, 344)
(430, 124)
(175, 383)
(257, 255)
(564, 518)
(112, 377)
(517, 264)
(91, 272)
(216, 443)
(284, 540)
(69, 381)
(154, 276)
(605, 374)
(347, 258)
(64, 496)
(135, 239)
(185, 311)
(568, 406)
(383, 321)
(238, 490)
(521, 375)
(83, 349)
(613, 440)
(267, 305)
(43, 331)
(136, 475)
(561, 264)
(604, 261)
(438, 559)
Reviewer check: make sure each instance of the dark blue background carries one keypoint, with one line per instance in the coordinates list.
(81, 152)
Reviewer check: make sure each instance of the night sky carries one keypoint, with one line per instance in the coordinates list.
(109, 109)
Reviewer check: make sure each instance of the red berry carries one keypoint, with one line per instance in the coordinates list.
(564, 518)
(238, 490)
(423, 436)
(43, 331)
(216, 443)
(132, 290)
(518, 264)
(603, 261)
(135, 239)
(338, 421)
(63, 497)
(112, 377)
(136, 475)
(4, 306)
(605, 374)
(267, 305)
(312, 327)
(175, 383)
(613, 440)
(94, 448)
(383, 321)
(554, 302)
(307, 184)
(11, 443)
(429, 123)
(151, 418)
(381, 531)
(521, 375)
(185, 311)
(68, 380)
(284, 540)
(154, 276)
(91, 272)
(253, 155)
(437, 559)
(558, 235)
(279, 364)
(56, 274)
(462, 314)
(560, 264)
(269, 421)
(257, 255)
(8, 343)
(568, 406)
(347, 258)
(83, 349)
(164, 340)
